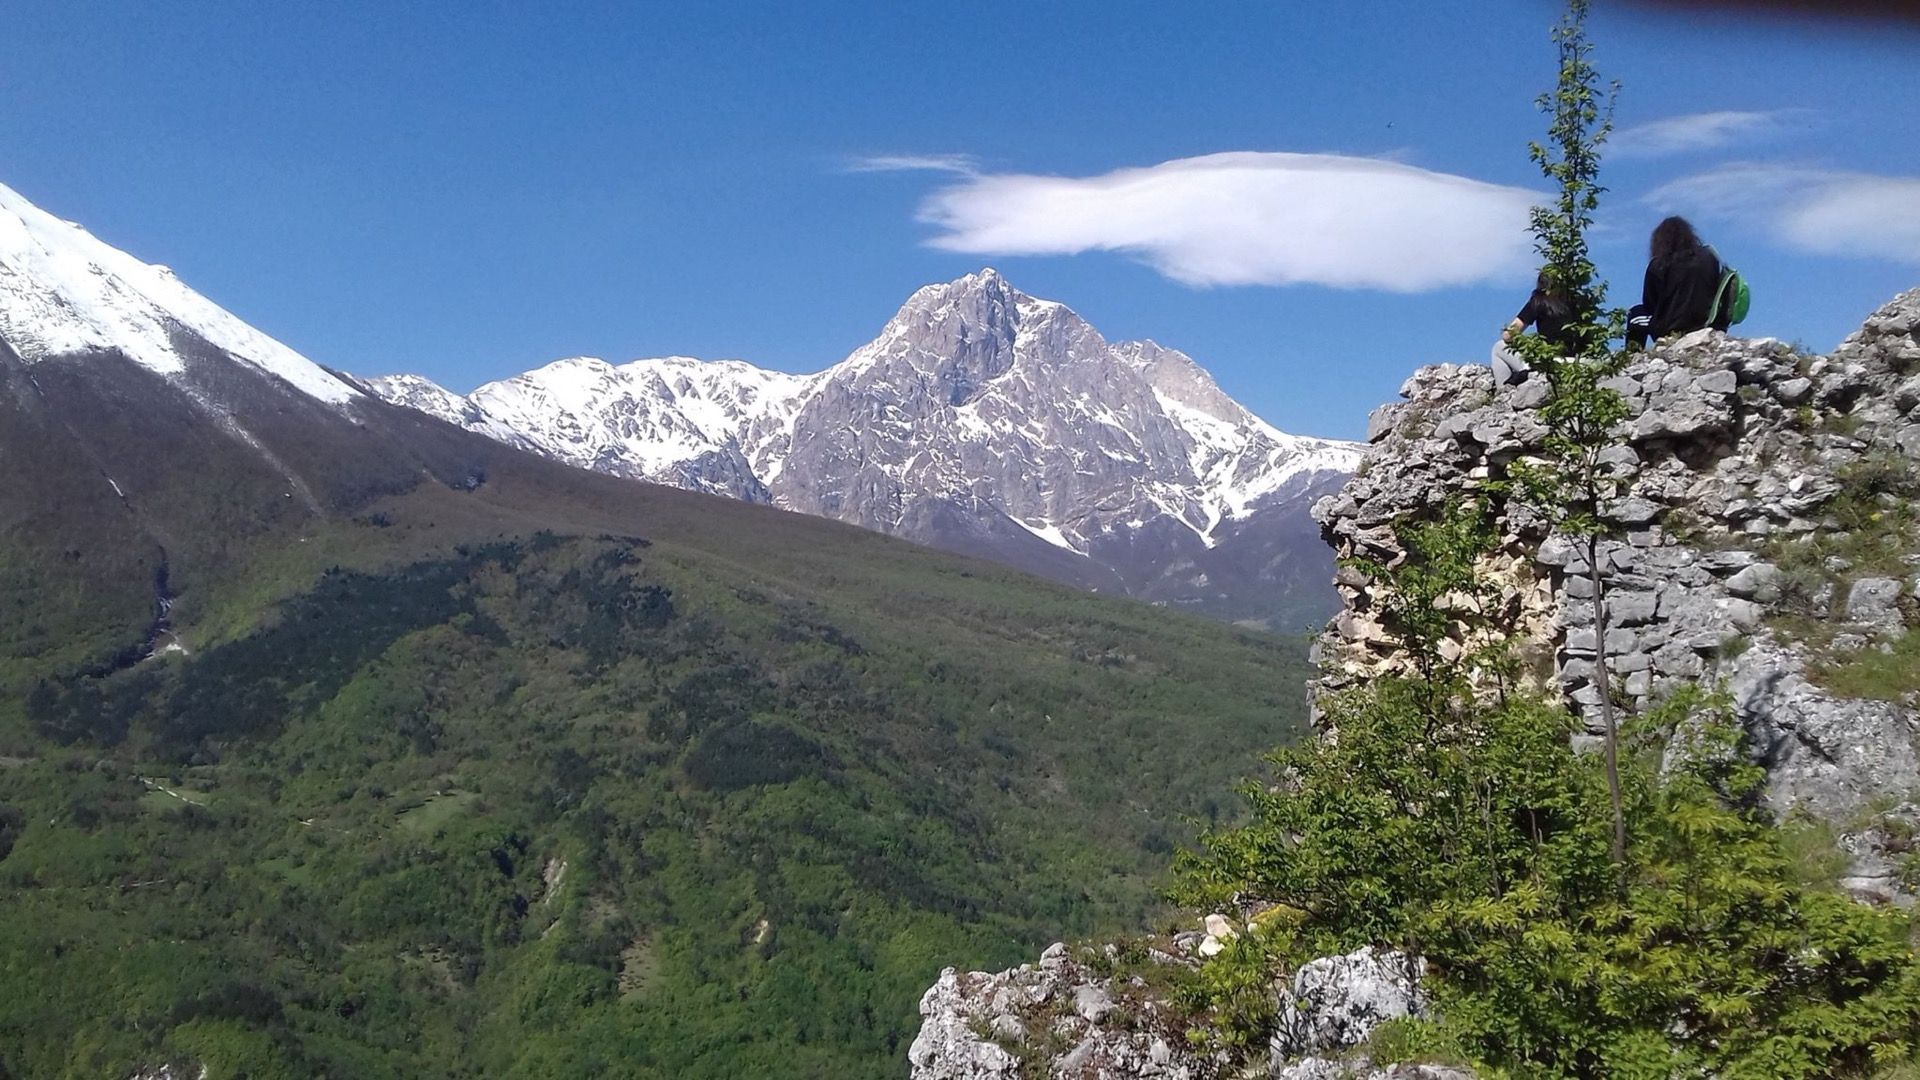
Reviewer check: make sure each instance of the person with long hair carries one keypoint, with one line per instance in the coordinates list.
(1549, 311)
(1682, 283)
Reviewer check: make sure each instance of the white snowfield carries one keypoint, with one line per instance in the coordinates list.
(62, 291)
(972, 391)
(647, 414)
(425, 395)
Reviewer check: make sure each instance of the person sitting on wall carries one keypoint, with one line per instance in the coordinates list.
(1682, 286)
(1549, 311)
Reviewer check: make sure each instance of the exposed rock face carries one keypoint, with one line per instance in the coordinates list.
(981, 420)
(1062, 1020)
(1336, 1001)
(172, 1072)
(1737, 453)
(980, 1026)
(1324, 1069)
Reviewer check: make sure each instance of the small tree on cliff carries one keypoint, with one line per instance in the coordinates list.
(1570, 485)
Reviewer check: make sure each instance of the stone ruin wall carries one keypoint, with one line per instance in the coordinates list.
(1735, 449)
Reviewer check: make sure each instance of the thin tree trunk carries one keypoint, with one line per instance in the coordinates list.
(1602, 678)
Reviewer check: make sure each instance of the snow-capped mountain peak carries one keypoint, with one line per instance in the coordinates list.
(980, 419)
(64, 292)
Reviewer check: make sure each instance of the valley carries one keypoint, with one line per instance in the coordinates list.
(472, 762)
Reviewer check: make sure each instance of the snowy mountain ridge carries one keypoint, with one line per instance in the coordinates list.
(980, 419)
(63, 292)
(659, 418)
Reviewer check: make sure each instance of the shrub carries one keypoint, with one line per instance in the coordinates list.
(1481, 841)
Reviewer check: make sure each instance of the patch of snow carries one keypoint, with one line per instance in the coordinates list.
(1051, 533)
(427, 396)
(1239, 464)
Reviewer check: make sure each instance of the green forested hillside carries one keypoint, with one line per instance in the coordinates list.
(547, 774)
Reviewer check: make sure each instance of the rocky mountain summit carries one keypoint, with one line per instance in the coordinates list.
(1764, 543)
(982, 420)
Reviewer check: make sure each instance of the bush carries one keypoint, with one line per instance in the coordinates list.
(1482, 844)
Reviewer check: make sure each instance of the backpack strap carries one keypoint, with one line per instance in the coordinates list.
(1727, 275)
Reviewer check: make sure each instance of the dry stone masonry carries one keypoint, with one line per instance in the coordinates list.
(1763, 533)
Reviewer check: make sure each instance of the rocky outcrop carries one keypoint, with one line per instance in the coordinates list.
(171, 1072)
(1062, 1018)
(1057, 1017)
(1762, 541)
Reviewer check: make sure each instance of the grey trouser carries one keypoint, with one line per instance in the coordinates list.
(1508, 367)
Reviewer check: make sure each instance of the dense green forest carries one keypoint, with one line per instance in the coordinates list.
(564, 806)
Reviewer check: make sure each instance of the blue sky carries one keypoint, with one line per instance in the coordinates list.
(469, 190)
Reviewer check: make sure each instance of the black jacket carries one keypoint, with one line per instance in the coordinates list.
(1679, 292)
(1548, 317)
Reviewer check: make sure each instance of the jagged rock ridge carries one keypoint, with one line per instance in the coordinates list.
(981, 420)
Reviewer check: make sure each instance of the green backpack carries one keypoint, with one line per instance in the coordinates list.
(1732, 295)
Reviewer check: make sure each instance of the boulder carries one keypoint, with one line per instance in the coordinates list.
(1335, 1002)
(1759, 582)
(1793, 391)
(1874, 603)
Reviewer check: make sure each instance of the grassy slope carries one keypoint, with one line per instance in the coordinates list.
(790, 768)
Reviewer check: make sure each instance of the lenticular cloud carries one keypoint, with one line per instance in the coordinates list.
(1254, 219)
(1822, 211)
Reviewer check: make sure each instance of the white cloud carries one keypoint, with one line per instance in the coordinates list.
(1816, 210)
(1254, 219)
(1699, 131)
(961, 164)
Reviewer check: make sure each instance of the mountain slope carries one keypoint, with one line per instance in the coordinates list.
(62, 292)
(981, 420)
(339, 740)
